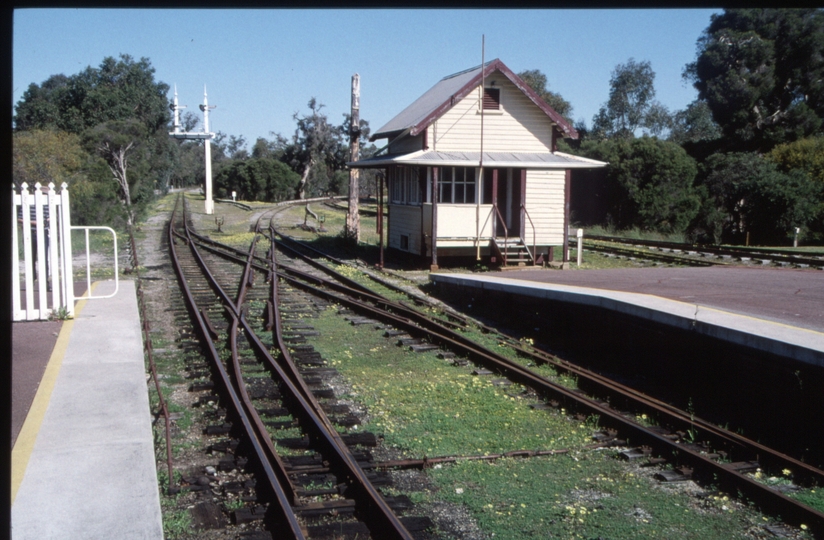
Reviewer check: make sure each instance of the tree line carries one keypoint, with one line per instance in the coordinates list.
(105, 132)
(745, 158)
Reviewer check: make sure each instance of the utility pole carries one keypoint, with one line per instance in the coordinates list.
(352, 218)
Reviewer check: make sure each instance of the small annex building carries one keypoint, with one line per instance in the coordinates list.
(473, 170)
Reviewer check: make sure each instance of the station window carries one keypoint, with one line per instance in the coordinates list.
(457, 185)
(406, 185)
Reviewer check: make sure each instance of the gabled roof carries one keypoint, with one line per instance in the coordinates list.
(451, 89)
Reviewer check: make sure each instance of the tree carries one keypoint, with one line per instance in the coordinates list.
(115, 141)
(47, 156)
(117, 90)
(119, 99)
(537, 81)
(256, 179)
(694, 124)
(631, 105)
(761, 72)
(316, 151)
(745, 193)
(806, 156)
(650, 183)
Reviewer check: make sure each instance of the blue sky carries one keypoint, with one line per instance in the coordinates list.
(262, 66)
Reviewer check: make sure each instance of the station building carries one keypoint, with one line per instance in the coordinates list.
(472, 169)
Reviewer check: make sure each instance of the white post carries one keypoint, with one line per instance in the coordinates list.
(795, 239)
(42, 278)
(52, 254)
(210, 205)
(66, 244)
(234, 196)
(15, 255)
(580, 235)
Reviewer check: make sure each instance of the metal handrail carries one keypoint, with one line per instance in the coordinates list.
(506, 231)
(534, 243)
(88, 259)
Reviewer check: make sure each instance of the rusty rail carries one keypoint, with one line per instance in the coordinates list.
(147, 345)
(705, 466)
(708, 469)
(286, 516)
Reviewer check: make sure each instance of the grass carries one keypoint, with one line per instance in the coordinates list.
(425, 407)
(635, 233)
(582, 495)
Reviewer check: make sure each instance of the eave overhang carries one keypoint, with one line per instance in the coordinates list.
(497, 160)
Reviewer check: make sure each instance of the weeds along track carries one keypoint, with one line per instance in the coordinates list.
(310, 478)
(692, 447)
(682, 445)
(699, 255)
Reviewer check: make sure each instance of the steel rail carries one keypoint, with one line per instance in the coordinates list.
(677, 419)
(707, 468)
(147, 344)
(626, 252)
(385, 524)
(731, 477)
(389, 526)
(782, 255)
(284, 512)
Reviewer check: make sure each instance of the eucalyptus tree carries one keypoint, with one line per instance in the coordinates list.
(631, 104)
(761, 72)
(538, 82)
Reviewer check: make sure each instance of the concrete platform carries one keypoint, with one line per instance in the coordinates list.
(772, 310)
(83, 463)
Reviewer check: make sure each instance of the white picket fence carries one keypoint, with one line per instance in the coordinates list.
(44, 294)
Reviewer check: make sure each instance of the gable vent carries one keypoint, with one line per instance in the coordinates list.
(492, 99)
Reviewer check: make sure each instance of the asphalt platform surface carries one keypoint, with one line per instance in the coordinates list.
(32, 344)
(788, 296)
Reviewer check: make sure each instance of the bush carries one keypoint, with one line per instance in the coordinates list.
(745, 193)
(650, 183)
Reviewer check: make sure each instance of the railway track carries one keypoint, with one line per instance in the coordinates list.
(691, 447)
(699, 255)
(263, 395)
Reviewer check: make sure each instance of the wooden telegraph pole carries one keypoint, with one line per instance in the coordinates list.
(352, 218)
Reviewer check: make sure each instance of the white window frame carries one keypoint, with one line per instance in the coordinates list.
(454, 184)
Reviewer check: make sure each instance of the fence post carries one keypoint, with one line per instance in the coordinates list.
(66, 236)
(52, 254)
(15, 255)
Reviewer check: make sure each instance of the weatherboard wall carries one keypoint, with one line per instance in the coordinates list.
(406, 221)
(545, 206)
(519, 125)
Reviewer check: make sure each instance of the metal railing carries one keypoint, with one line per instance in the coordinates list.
(41, 232)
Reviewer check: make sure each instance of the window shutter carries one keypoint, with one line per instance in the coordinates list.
(492, 99)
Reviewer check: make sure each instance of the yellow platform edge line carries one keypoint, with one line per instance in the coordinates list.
(24, 445)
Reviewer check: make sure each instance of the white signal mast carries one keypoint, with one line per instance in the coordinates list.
(204, 135)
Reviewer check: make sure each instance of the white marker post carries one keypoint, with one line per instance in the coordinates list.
(580, 235)
(210, 204)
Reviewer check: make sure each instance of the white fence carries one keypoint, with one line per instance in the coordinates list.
(41, 229)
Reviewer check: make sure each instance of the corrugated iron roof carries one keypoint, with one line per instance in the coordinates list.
(451, 89)
(428, 102)
(526, 160)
